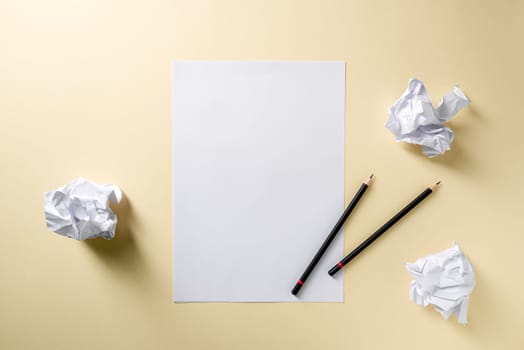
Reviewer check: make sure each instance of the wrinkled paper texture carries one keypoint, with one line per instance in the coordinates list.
(413, 118)
(445, 280)
(80, 210)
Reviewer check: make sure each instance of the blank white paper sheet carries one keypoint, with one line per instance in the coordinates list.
(258, 178)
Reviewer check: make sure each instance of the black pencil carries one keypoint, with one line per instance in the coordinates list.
(331, 235)
(340, 265)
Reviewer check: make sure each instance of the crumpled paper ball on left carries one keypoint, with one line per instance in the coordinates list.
(81, 210)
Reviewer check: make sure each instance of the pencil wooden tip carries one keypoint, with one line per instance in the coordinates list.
(435, 185)
(368, 180)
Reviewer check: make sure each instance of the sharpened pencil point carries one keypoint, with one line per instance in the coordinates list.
(368, 180)
(435, 185)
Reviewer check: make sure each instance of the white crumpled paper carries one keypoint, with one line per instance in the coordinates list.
(80, 210)
(413, 118)
(445, 280)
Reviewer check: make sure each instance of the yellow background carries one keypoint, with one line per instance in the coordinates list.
(85, 91)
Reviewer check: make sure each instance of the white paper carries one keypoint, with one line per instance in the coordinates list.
(445, 280)
(80, 210)
(258, 156)
(413, 118)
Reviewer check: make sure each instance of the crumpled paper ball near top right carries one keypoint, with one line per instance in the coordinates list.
(445, 280)
(413, 118)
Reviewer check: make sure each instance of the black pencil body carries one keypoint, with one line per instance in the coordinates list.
(329, 239)
(380, 231)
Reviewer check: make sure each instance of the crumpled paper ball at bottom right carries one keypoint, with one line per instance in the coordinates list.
(445, 280)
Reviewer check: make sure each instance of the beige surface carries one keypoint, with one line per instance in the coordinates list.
(85, 91)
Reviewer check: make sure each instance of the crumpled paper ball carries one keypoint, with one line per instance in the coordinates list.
(413, 118)
(445, 280)
(81, 210)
